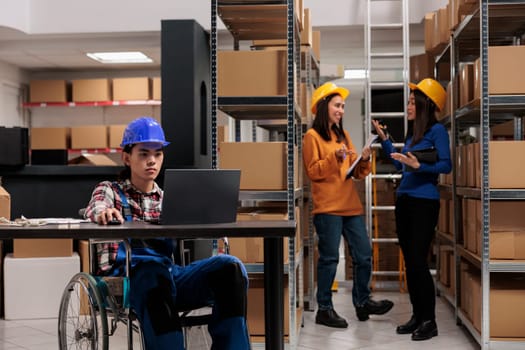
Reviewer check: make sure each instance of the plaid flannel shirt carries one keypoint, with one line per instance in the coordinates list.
(144, 207)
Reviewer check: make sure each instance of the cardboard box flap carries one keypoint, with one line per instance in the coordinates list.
(92, 159)
(5, 204)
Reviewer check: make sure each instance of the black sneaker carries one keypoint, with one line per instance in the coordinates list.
(372, 307)
(330, 318)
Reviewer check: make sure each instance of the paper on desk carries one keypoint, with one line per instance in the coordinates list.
(23, 221)
(62, 220)
(369, 142)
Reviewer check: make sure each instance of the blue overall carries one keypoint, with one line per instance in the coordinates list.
(158, 286)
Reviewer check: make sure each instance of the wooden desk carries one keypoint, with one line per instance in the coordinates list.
(272, 232)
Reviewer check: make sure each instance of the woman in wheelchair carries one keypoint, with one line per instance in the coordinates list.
(159, 287)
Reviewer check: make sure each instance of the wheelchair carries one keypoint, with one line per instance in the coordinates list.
(93, 306)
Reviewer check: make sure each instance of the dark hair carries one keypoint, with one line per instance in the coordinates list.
(320, 123)
(125, 174)
(425, 117)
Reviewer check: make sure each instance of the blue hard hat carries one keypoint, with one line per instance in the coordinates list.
(141, 130)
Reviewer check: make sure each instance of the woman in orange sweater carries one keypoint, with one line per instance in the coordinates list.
(328, 153)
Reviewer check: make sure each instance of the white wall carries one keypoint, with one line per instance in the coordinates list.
(12, 94)
(15, 14)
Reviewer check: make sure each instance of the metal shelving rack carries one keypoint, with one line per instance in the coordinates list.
(310, 75)
(260, 20)
(470, 40)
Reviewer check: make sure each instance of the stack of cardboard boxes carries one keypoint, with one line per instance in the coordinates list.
(36, 273)
(56, 145)
(262, 72)
(507, 228)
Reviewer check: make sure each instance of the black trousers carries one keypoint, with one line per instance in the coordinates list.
(416, 220)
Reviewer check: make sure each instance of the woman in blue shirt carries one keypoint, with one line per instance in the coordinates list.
(417, 201)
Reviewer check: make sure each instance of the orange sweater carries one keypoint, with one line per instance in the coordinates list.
(331, 192)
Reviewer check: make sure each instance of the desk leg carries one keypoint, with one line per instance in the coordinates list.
(273, 293)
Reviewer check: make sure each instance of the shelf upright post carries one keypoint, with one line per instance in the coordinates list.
(213, 72)
(291, 139)
(454, 58)
(485, 190)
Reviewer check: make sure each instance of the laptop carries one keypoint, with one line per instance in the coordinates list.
(200, 196)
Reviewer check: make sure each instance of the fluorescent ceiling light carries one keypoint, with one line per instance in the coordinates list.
(355, 74)
(120, 57)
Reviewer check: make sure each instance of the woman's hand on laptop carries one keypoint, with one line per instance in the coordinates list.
(109, 216)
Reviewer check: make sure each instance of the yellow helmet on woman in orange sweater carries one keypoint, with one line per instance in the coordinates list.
(325, 90)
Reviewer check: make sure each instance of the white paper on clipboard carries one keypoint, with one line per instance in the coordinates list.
(369, 142)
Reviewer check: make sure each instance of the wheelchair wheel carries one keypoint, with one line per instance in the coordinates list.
(82, 321)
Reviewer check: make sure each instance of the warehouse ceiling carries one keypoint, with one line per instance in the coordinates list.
(342, 45)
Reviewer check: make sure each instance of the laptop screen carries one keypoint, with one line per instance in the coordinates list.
(200, 196)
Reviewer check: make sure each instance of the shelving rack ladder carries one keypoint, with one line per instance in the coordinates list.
(384, 70)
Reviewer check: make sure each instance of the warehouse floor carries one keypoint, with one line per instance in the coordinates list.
(376, 334)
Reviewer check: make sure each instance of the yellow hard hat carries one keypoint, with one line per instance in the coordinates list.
(324, 90)
(433, 90)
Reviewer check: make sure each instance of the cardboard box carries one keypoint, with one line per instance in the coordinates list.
(316, 44)
(443, 219)
(131, 89)
(477, 165)
(466, 84)
(445, 267)
(5, 204)
(506, 215)
(223, 134)
(461, 165)
(507, 306)
(421, 67)
(251, 249)
(306, 33)
(474, 281)
(157, 89)
(42, 247)
(469, 225)
(255, 314)
(443, 26)
(115, 133)
(506, 169)
(299, 12)
(476, 80)
(263, 164)
(506, 72)
(50, 138)
(503, 131)
(237, 75)
(92, 159)
(48, 91)
(91, 90)
(431, 33)
(507, 245)
(89, 137)
(304, 102)
(471, 170)
(453, 19)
